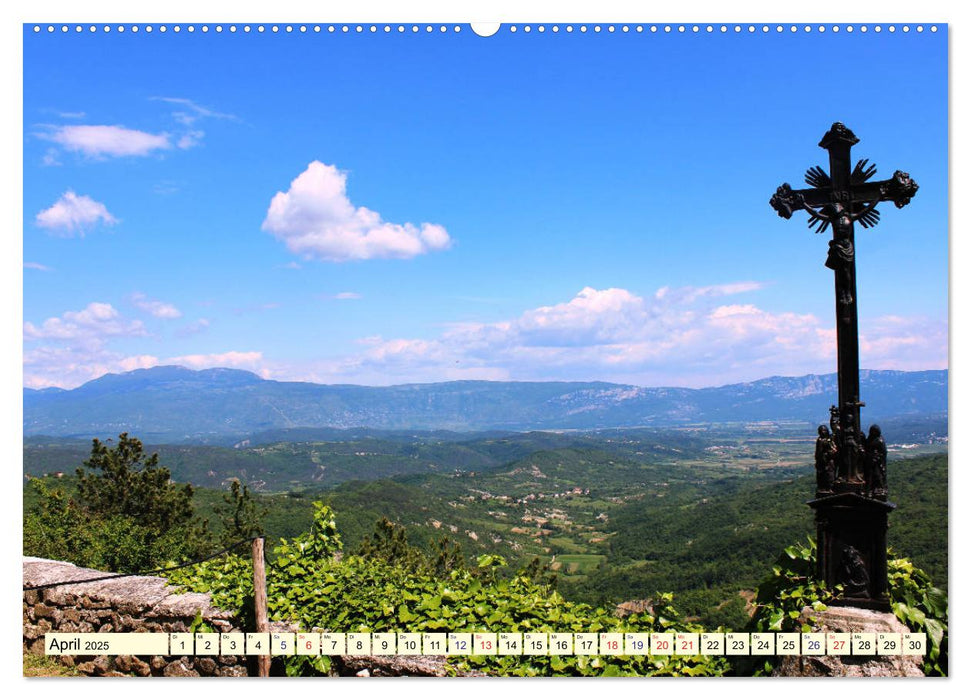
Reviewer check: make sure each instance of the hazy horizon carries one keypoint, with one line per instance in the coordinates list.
(507, 381)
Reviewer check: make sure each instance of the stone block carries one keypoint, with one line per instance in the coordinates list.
(205, 665)
(231, 672)
(842, 620)
(132, 664)
(180, 669)
(102, 664)
(42, 610)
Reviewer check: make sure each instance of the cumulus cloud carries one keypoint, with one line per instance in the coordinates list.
(690, 336)
(71, 366)
(67, 366)
(70, 349)
(91, 324)
(74, 348)
(686, 336)
(72, 213)
(103, 141)
(315, 219)
(133, 362)
(233, 358)
(158, 309)
(347, 295)
(687, 295)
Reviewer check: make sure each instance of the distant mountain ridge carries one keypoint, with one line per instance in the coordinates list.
(176, 403)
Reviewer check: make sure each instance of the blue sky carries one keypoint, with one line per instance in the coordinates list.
(372, 208)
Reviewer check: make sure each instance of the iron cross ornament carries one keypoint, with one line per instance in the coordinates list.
(851, 503)
(839, 199)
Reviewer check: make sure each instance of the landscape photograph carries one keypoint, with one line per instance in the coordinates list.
(511, 338)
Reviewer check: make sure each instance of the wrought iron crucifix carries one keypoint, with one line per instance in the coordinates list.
(839, 199)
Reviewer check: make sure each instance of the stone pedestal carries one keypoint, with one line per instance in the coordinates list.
(851, 532)
(848, 620)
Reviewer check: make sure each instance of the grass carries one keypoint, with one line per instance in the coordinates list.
(579, 563)
(46, 667)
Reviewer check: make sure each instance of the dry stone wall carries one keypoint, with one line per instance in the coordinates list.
(150, 604)
(131, 604)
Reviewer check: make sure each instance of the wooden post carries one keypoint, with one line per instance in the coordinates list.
(259, 602)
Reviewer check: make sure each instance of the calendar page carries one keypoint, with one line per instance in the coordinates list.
(398, 348)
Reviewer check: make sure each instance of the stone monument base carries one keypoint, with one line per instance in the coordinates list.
(846, 619)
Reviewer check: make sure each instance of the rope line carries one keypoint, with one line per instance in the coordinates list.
(143, 573)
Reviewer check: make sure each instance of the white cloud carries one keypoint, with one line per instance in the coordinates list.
(158, 309)
(100, 141)
(676, 337)
(70, 349)
(67, 366)
(688, 295)
(188, 114)
(128, 364)
(192, 112)
(240, 360)
(70, 366)
(90, 325)
(73, 348)
(36, 266)
(347, 295)
(315, 219)
(591, 317)
(72, 213)
(50, 158)
(191, 138)
(684, 337)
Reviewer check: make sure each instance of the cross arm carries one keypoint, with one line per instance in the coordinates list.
(899, 189)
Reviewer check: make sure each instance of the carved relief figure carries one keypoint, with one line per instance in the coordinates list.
(854, 444)
(834, 423)
(841, 258)
(825, 461)
(876, 464)
(853, 573)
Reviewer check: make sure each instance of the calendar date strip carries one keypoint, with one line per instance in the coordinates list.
(488, 644)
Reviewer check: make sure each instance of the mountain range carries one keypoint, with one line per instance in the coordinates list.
(180, 404)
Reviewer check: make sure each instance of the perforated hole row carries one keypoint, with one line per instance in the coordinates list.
(512, 28)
